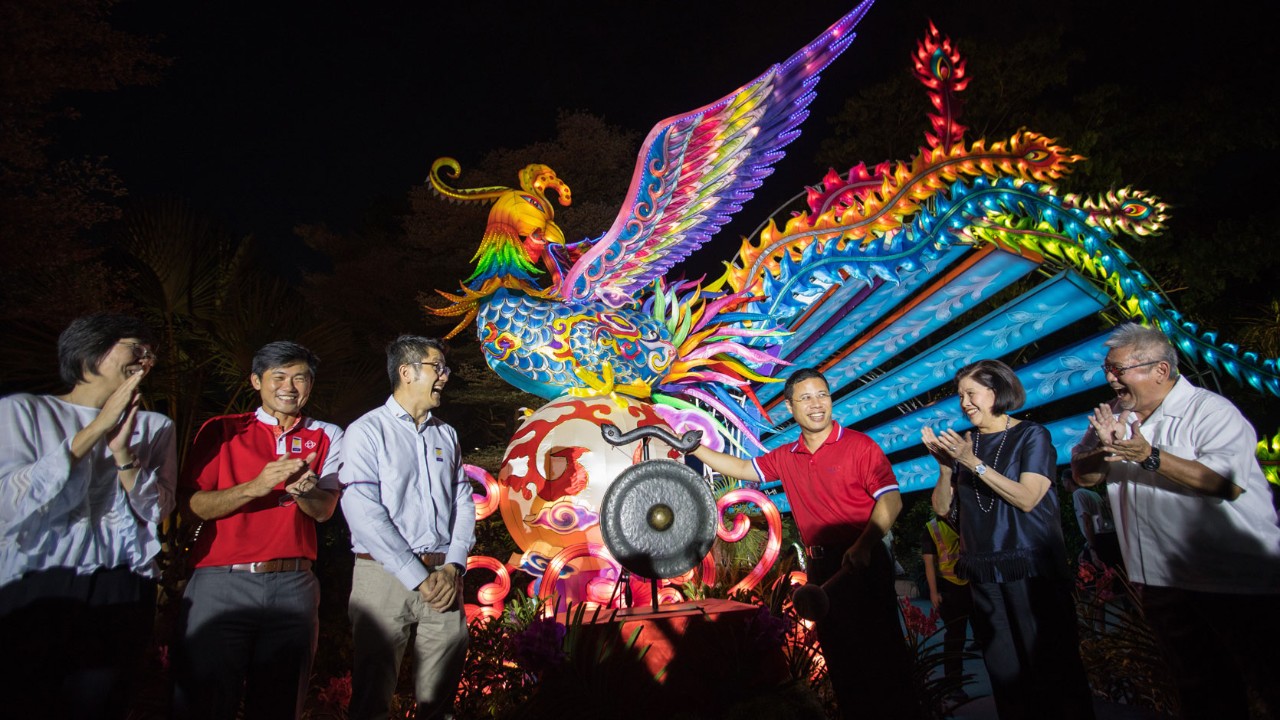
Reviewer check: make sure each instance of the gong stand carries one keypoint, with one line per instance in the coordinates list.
(624, 577)
(658, 516)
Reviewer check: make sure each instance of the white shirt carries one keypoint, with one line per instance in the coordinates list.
(1091, 511)
(1172, 536)
(59, 512)
(404, 491)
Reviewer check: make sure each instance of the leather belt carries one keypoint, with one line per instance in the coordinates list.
(273, 566)
(432, 559)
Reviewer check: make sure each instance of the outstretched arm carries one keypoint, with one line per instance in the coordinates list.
(725, 464)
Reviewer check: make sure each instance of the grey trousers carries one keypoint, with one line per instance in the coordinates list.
(382, 613)
(245, 634)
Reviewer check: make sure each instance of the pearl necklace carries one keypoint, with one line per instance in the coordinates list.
(1004, 436)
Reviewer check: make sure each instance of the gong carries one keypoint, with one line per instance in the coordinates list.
(658, 519)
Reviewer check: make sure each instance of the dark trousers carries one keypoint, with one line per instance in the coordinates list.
(1027, 631)
(1217, 645)
(74, 642)
(862, 639)
(1107, 546)
(956, 607)
(243, 634)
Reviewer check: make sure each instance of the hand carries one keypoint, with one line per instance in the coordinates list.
(276, 473)
(118, 439)
(441, 588)
(949, 446)
(307, 482)
(934, 446)
(118, 415)
(1107, 424)
(1135, 449)
(936, 599)
(858, 555)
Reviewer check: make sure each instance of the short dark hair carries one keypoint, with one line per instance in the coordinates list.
(283, 352)
(800, 376)
(1001, 379)
(408, 349)
(88, 339)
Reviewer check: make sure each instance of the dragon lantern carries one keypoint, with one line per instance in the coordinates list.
(893, 277)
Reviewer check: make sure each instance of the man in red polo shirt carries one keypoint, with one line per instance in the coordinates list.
(258, 483)
(844, 498)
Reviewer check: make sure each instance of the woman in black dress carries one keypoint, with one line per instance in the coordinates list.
(995, 483)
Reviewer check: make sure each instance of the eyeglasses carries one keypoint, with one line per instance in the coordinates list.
(807, 397)
(1118, 370)
(441, 369)
(140, 351)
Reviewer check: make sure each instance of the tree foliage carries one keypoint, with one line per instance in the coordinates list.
(50, 51)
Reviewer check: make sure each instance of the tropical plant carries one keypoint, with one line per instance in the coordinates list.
(333, 699)
(1119, 651)
(934, 689)
(580, 667)
(800, 644)
(492, 681)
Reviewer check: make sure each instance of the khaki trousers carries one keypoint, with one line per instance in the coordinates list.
(382, 613)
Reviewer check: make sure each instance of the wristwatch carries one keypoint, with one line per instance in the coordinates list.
(980, 469)
(131, 465)
(1153, 460)
(462, 570)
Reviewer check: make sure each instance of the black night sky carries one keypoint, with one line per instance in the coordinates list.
(286, 112)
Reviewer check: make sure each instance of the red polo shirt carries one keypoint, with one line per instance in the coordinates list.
(232, 449)
(832, 491)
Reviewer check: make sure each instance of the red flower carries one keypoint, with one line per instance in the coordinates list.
(337, 693)
(1085, 576)
(1107, 584)
(916, 621)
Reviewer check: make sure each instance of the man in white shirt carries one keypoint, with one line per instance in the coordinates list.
(85, 480)
(1093, 517)
(1196, 523)
(412, 519)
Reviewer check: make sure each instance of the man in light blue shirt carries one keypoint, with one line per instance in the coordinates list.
(86, 478)
(412, 521)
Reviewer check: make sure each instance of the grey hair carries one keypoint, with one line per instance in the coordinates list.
(1147, 345)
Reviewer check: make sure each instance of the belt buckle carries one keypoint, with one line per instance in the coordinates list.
(815, 552)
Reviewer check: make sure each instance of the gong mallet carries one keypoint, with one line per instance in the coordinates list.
(810, 600)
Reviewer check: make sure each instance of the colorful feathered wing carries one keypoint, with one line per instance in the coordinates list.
(696, 170)
(600, 328)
